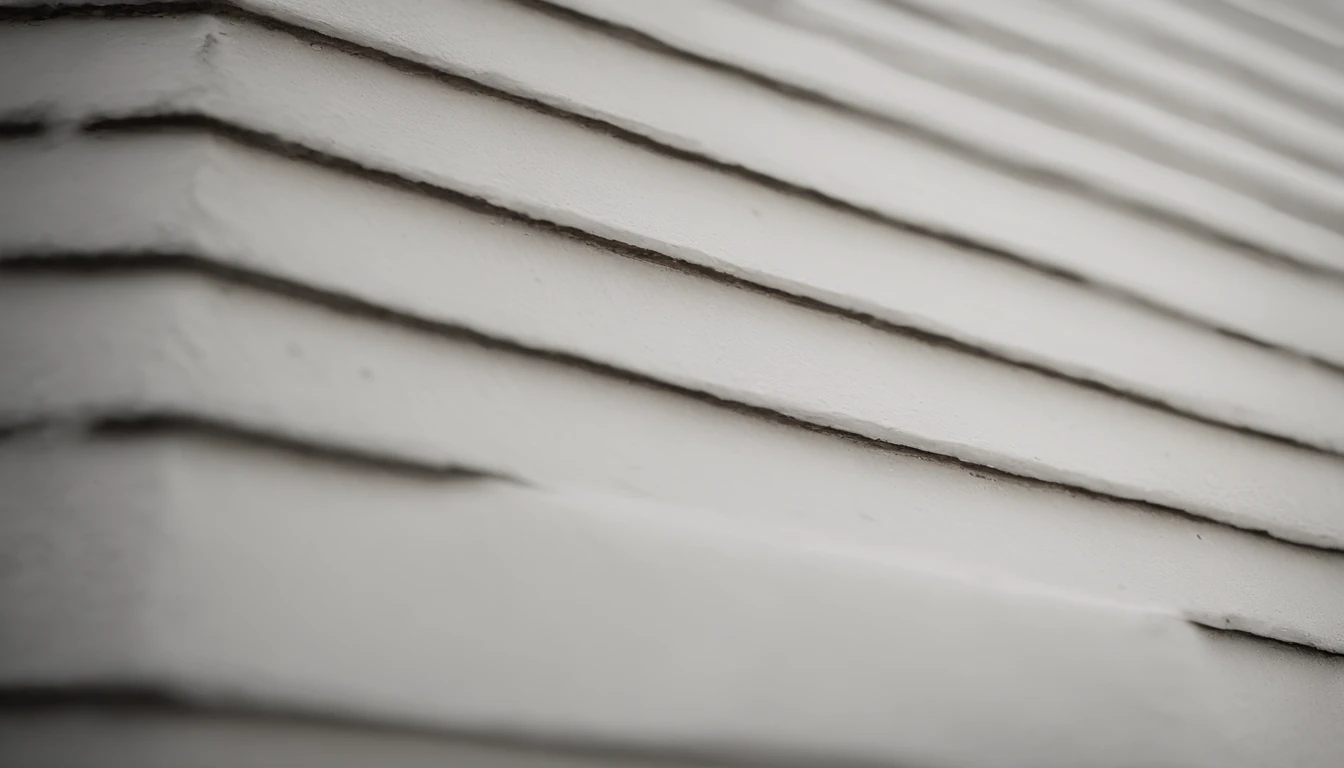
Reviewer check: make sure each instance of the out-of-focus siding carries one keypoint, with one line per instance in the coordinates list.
(874, 382)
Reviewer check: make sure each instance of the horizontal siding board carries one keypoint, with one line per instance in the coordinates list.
(1281, 22)
(1178, 33)
(719, 32)
(273, 83)
(1290, 714)
(214, 198)
(552, 293)
(141, 344)
(599, 620)
(1116, 63)
(1065, 99)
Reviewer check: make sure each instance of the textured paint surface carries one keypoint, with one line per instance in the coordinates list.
(1175, 85)
(1171, 30)
(276, 87)
(185, 345)
(796, 58)
(213, 205)
(413, 383)
(1304, 507)
(963, 61)
(591, 603)
(797, 647)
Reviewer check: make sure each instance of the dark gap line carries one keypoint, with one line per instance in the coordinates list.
(100, 695)
(120, 424)
(355, 307)
(166, 700)
(27, 425)
(275, 145)
(22, 126)
(47, 11)
(161, 422)
(1288, 645)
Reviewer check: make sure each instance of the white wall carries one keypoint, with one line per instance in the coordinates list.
(792, 382)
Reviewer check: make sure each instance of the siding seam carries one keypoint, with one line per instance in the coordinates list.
(151, 416)
(281, 147)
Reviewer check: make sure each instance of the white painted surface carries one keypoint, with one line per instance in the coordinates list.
(208, 201)
(716, 30)
(532, 162)
(1289, 16)
(1067, 99)
(552, 294)
(835, 586)
(327, 625)
(214, 198)
(1288, 704)
(1229, 105)
(1174, 32)
(487, 607)
(184, 345)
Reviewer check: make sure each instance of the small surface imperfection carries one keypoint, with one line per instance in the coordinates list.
(208, 45)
